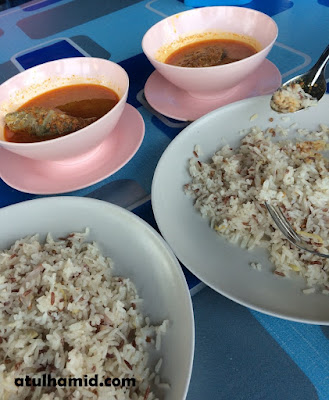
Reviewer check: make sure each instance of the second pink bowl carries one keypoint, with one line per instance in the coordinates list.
(210, 82)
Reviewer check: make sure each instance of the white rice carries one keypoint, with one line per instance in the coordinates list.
(291, 99)
(230, 190)
(253, 117)
(256, 265)
(63, 313)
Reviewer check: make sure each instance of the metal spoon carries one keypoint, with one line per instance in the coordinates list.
(313, 81)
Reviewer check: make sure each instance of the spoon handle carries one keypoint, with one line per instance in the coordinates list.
(320, 65)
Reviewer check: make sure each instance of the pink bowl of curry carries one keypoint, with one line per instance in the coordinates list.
(208, 51)
(62, 109)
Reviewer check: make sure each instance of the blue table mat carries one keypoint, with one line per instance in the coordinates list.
(240, 353)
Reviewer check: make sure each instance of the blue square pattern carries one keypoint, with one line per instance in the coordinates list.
(55, 51)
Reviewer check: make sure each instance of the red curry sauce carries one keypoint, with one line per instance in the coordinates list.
(209, 53)
(83, 100)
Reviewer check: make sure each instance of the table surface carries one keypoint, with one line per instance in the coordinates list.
(239, 353)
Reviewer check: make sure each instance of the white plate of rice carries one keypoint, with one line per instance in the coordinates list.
(210, 207)
(88, 288)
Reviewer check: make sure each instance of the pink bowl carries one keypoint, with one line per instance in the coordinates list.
(22, 87)
(209, 82)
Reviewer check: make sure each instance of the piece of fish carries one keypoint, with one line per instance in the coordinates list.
(43, 121)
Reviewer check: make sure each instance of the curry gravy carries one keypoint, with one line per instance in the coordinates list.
(82, 100)
(210, 53)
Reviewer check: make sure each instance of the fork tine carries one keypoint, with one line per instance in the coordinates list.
(278, 221)
(288, 225)
(278, 215)
(287, 230)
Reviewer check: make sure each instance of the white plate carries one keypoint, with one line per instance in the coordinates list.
(138, 252)
(219, 264)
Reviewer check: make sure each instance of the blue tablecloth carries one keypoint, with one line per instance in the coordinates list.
(240, 354)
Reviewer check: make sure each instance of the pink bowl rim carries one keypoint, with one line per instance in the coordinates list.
(73, 134)
(218, 67)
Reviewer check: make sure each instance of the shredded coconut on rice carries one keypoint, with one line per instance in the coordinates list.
(63, 313)
(291, 99)
(230, 190)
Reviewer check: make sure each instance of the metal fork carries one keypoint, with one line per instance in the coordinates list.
(283, 224)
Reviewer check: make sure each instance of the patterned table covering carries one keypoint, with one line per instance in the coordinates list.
(240, 353)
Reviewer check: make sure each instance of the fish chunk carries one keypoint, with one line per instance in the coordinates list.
(41, 121)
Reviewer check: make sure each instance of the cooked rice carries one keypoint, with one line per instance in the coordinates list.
(63, 313)
(256, 265)
(291, 99)
(231, 188)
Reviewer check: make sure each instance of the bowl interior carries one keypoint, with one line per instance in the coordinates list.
(45, 77)
(250, 24)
